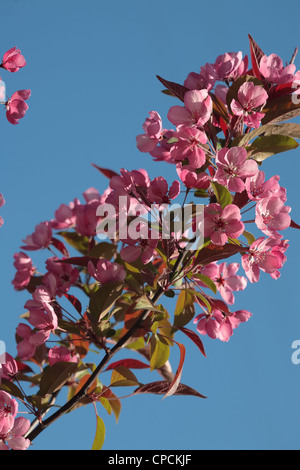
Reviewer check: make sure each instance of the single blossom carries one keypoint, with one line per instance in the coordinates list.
(61, 354)
(44, 322)
(13, 60)
(65, 274)
(16, 107)
(257, 188)
(159, 192)
(105, 271)
(230, 66)
(272, 69)
(189, 146)
(205, 79)
(219, 223)
(153, 133)
(141, 244)
(41, 237)
(267, 255)
(272, 215)
(8, 412)
(234, 167)
(197, 109)
(251, 99)
(14, 439)
(9, 369)
(24, 266)
(192, 179)
(225, 279)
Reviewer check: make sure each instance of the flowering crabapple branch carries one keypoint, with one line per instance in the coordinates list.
(114, 258)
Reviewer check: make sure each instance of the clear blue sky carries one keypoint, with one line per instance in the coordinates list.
(91, 68)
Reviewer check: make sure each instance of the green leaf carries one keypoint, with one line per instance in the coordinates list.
(159, 351)
(207, 281)
(123, 377)
(201, 193)
(222, 194)
(185, 308)
(104, 298)
(204, 300)
(287, 129)
(79, 242)
(100, 434)
(103, 250)
(249, 237)
(54, 377)
(266, 146)
(11, 388)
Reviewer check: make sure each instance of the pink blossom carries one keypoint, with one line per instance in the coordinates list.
(86, 218)
(272, 215)
(189, 146)
(64, 216)
(105, 271)
(9, 369)
(230, 65)
(225, 278)
(16, 107)
(13, 60)
(141, 244)
(60, 354)
(161, 153)
(192, 179)
(153, 133)
(159, 192)
(14, 437)
(272, 69)
(251, 98)
(219, 224)
(233, 167)
(65, 274)
(41, 237)
(265, 255)
(197, 109)
(205, 79)
(219, 324)
(25, 270)
(44, 321)
(8, 411)
(257, 188)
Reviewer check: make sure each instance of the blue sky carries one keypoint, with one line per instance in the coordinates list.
(92, 70)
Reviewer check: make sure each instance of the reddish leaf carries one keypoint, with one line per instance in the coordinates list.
(294, 225)
(241, 199)
(161, 387)
(129, 363)
(79, 260)
(58, 244)
(256, 54)
(176, 381)
(105, 171)
(23, 367)
(215, 253)
(74, 301)
(176, 89)
(195, 338)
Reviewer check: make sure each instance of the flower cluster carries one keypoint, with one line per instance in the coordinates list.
(113, 256)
